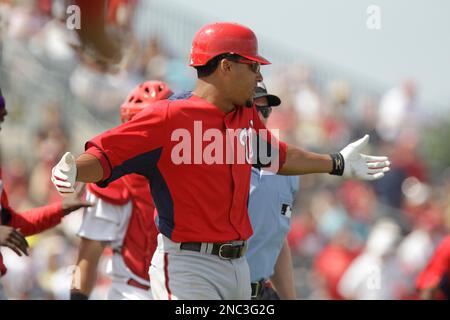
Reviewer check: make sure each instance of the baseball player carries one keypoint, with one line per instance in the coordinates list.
(196, 150)
(14, 226)
(270, 204)
(123, 218)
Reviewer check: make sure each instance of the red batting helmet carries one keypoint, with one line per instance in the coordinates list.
(142, 96)
(224, 37)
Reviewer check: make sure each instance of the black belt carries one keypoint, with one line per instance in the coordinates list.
(227, 250)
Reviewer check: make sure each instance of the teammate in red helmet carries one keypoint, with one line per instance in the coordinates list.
(197, 150)
(142, 96)
(122, 218)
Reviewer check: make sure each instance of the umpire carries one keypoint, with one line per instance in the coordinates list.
(270, 203)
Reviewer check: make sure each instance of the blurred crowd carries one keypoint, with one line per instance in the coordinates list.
(349, 239)
(354, 239)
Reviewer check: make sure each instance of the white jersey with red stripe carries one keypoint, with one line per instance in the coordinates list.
(123, 216)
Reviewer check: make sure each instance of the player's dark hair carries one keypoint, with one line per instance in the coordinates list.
(211, 65)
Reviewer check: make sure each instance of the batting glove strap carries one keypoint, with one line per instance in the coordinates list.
(338, 164)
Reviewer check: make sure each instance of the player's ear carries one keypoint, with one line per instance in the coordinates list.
(225, 65)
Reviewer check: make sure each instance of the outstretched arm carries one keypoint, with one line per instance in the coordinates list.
(299, 162)
(349, 162)
(87, 168)
(39, 219)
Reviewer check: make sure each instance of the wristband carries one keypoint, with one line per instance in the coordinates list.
(338, 164)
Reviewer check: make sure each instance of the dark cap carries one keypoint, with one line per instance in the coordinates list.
(261, 91)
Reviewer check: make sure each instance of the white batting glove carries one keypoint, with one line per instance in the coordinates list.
(64, 175)
(361, 166)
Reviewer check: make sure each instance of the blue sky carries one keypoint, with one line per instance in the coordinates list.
(414, 39)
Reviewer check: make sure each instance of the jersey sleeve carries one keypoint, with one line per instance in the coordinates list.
(32, 221)
(270, 152)
(133, 147)
(104, 221)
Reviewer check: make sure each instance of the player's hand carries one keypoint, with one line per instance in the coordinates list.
(361, 166)
(75, 201)
(13, 239)
(64, 175)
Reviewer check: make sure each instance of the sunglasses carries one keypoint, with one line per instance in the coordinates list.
(254, 66)
(264, 110)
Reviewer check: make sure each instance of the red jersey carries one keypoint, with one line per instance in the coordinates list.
(190, 151)
(139, 242)
(437, 272)
(30, 222)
